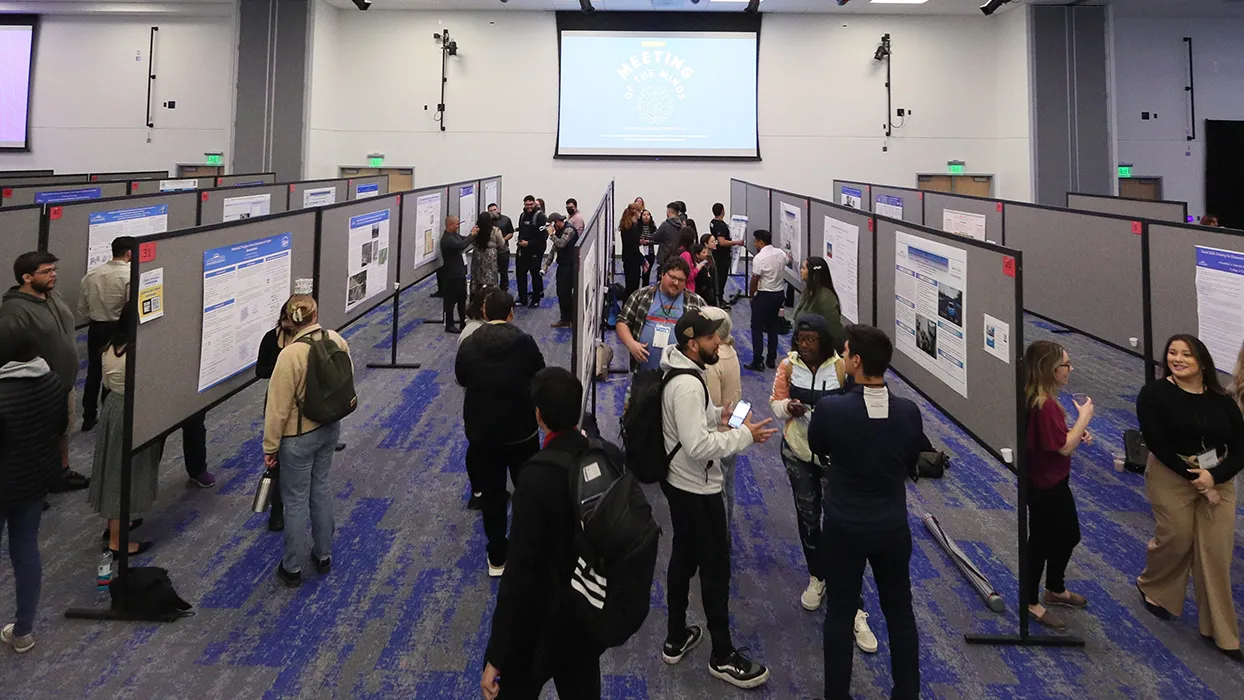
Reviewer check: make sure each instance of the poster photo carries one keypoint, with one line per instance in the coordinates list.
(792, 233)
(368, 257)
(852, 197)
(930, 307)
(427, 228)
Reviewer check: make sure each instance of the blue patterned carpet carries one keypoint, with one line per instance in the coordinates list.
(405, 612)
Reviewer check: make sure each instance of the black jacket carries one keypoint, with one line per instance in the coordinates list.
(630, 243)
(453, 267)
(495, 366)
(530, 229)
(34, 412)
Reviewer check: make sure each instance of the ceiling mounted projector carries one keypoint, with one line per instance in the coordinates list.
(991, 6)
(363, 5)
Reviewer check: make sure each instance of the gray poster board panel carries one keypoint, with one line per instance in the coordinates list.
(1172, 212)
(334, 268)
(167, 350)
(153, 186)
(799, 202)
(127, 176)
(298, 189)
(24, 179)
(1087, 271)
(1172, 280)
(990, 412)
(382, 181)
(409, 273)
(23, 196)
(19, 233)
(912, 201)
(738, 198)
(212, 210)
(69, 234)
(865, 193)
(864, 275)
(936, 204)
(23, 173)
(759, 213)
(244, 179)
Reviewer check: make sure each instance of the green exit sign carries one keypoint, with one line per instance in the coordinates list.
(1125, 171)
(375, 161)
(214, 159)
(955, 168)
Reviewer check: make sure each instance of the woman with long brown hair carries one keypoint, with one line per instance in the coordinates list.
(1053, 525)
(1195, 434)
(632, 256)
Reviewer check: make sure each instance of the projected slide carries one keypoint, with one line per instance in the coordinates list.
(15, 57)
(658, 94)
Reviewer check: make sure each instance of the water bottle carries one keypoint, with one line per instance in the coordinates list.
(103, 576)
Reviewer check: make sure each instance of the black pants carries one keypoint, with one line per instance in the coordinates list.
(528, 264)
(97, 337)
(572, 665)
(723, 275)
(194, 444)
(486, 464)
(1053, 532)
(652, 262)
(765, 308)
(454, 294)
(847, 552)
(503, 267)
(700, 544)
(565, 291)
(633, 269)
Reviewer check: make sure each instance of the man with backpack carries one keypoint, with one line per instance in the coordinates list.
(695, 447)
(646, 324)
(311, 390)
(547, 623)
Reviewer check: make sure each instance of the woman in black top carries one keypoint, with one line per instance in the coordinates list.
(270, 347)
(632, 256)
(647, 229)
(1195, 435)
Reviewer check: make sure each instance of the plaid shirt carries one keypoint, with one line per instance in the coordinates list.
(635, 311)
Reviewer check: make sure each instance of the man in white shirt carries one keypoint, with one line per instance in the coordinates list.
(105, 290)
(767, 288)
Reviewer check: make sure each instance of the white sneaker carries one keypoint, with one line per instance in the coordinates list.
(20, 645)
(864, 637)
(813, 594)
(494, 571)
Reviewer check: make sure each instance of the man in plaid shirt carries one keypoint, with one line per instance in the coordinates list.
(646, 324)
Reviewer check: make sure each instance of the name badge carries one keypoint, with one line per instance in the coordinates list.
(1207, 459)
(661, 336)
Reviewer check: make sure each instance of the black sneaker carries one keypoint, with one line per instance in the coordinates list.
(323, 566)
(771, 364)
(738, 670)
(755, 367)
(674, 650)
(70, 481)
(291, 580)
(88, 424)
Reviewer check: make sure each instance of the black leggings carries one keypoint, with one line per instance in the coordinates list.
(1053, 532)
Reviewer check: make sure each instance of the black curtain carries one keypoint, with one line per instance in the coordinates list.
(1224, 179)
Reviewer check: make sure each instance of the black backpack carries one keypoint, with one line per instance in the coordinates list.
(643, 433)
(147, 592)
(329, 394)
(615, 545)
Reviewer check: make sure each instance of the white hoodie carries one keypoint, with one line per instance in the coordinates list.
(690, 418)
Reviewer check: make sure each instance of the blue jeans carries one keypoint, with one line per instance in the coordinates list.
(23, 520)
(305, 462)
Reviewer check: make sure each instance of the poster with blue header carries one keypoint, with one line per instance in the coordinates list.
(1220, 301)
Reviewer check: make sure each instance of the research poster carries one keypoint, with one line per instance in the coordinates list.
(104, 227)
(1220, 302)
(929, 307)
(588, 327)
(738, 232)
(244, 286)
(151, 295)
(852, 197)
(842, 247)
(318, 197)
(792, 233)
(63, 196)
(367, 190)
(368, 257)
(248, 207)
(491, 193)
(998, 338)
(178, 185)
(885, 205)
(468, 209)
(964, 223)
(427, 228)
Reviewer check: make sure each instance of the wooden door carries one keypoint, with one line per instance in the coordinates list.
(975, 185)
(189, 171)
(347, 171)
(400, 179)
(1141, 188)
(935, 183)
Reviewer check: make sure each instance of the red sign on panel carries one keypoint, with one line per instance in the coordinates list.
(133, 187)
(999, 207)
(6, 192)
(1008, 266)
(55, 213)
(146, 252)
(870, 224)
(1137, 227)
(204, 196)
(292, 188)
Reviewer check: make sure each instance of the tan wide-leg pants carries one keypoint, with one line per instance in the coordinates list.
(1190, 535)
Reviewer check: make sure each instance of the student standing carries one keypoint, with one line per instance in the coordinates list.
(646, 324)
(820, 298)
(563, 237)
(648, 229)
(105, 290)
(768, 294)
(666, 235)
(487, 241)
(632, 257)
(270, 347)
(532, 239)
(720, 230)
(506, 226)
(869, 441)
(574, 216)
(697, 511)
(725, 389)
(452, 274)
(1195, 434)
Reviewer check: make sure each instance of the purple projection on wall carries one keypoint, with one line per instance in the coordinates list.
(15, 57)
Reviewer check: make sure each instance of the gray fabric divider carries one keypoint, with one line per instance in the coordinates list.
(25, 179)
(1087, 270)
(991, 410)
(410, 272)
(382, 181)
(297, 191)
(738, 198)
(911, 200)
(153, 186)
(18, 173)
(799, 202)
(865, 190)
(335, 254)
(1172, 280)
(212, 210)
(818, 210)
(245, 179)
(19, 233)
(168, 349)
(936, 204)
(759, 213)
(22, 196)
(1171, 212)
(69, 232)
(127, 176)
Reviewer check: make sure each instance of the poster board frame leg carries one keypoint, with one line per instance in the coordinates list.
(393, 363)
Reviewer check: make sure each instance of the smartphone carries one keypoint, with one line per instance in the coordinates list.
(740, 414)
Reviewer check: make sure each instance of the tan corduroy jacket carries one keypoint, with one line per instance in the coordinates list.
(287, 387)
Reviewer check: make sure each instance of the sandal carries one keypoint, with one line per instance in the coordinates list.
(1154, 609)
(1049, 619)
(1066, 599)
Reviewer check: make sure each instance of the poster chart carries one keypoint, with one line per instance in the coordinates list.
(151, 295)
(318, 197)
(998, 338)
(178, 185)
(929, 298)
(888, 206)
(104, 227)
(588, 326)
(244, 286)
(852, 197)
(367, 257)
(62, 196)
(792, 234)
(964, 223)
(427, 227)
(238, 208)
(367, 190)
(491, 193)
(842, 248)
(468, 209)
(738, 232)
(1220, 301)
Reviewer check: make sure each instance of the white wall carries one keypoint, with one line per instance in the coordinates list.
(1151, 71)
(1013, 95)
(88, 103)
(822, 106)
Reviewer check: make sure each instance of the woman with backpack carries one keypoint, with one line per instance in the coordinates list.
(270, 347)
(301, 447)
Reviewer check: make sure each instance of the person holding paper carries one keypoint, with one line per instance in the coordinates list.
(1195, 434)
(104, 292)
(720, 230)
(563, 237)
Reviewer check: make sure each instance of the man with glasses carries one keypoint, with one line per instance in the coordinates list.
(647, 322)
(35, 300)
(532, 239)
